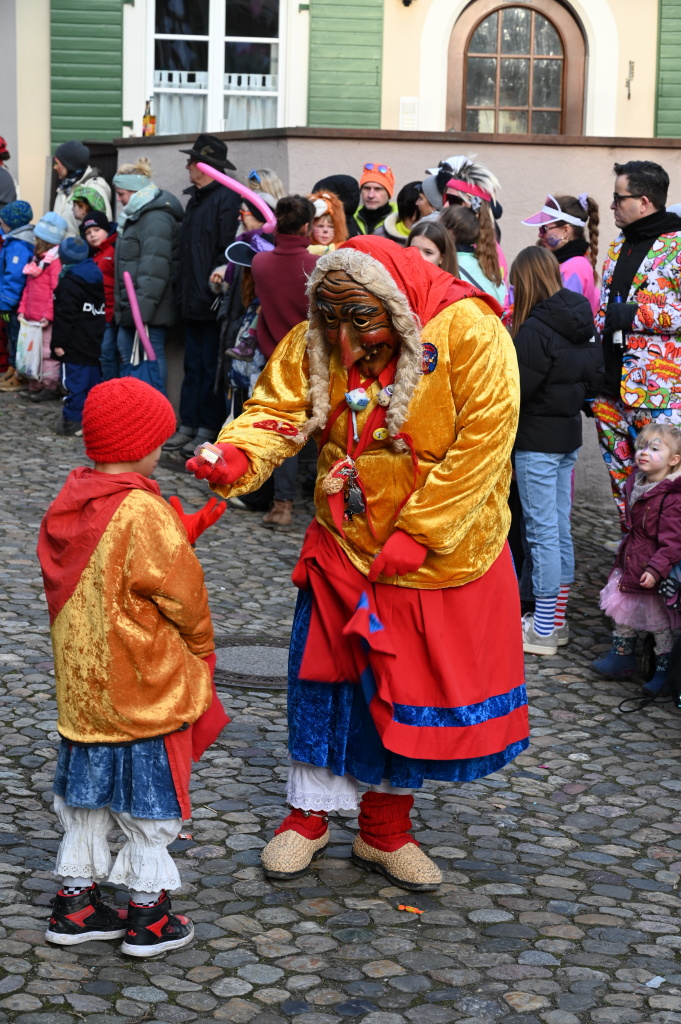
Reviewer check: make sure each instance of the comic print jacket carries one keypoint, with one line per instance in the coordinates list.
(651, 368)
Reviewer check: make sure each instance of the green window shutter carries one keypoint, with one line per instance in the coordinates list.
(86, 69)
(346, 55)
(668, 107)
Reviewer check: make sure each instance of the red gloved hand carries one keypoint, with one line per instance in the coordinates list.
(400, 554)
(196, 522)
(235, 465)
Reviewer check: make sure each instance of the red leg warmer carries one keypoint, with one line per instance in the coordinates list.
(384, 821)
(310, 824)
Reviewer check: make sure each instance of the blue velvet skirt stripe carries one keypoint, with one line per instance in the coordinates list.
(135, 779)
(330, 726)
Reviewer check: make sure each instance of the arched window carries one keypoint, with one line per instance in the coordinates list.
(516, 69)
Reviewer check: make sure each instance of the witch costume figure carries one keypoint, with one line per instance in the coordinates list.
(406, 658)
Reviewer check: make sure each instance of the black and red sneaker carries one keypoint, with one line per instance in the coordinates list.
(84, 917)
(153, 930)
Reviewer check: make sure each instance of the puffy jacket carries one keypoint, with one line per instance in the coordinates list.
(210, 223)
(63, 203)
(41, 276)
(561, 364)
(653, 543)
(104, 258)
(79, 321)
(148, 247)
(16, 251)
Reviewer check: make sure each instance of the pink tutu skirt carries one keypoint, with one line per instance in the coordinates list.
(644, 611)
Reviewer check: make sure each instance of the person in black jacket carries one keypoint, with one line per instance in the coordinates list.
(561, 365)
(78, 328)
(209, 226)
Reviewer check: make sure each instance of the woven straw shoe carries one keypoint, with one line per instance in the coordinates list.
(289, 854)
(407, 867)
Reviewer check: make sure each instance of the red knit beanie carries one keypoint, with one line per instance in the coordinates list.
(124, 420)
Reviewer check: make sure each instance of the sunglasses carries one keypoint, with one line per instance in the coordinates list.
(617, 199)
(381, 168)
(452, 200)
(254, 176)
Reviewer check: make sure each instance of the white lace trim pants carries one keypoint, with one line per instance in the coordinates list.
(143, 864)
(317, 789)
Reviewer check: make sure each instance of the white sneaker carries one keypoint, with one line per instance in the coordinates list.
(562, 634)
(533, 643)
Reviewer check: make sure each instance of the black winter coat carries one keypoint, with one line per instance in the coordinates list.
(209, 226)
(79, 314)
(561, 364)
(148, 247)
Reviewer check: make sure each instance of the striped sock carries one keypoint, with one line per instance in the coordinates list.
(561, 605)
(544, 615)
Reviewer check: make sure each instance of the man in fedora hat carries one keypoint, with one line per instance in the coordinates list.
(209, 225)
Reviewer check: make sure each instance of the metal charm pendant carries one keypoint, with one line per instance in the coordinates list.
(355, 502)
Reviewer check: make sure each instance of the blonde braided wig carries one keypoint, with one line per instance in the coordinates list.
(372, 275)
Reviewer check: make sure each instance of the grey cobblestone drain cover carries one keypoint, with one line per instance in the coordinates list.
(251, 661)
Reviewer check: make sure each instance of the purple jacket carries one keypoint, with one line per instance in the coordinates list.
(653, 543)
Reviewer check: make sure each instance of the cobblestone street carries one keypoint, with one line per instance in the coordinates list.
(560, 901)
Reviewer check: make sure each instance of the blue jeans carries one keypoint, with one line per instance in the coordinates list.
(78, 381)
(108, 355)
(201, 406)
(545, 487)
(155, 371)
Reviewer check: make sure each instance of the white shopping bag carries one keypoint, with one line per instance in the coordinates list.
(29, 362)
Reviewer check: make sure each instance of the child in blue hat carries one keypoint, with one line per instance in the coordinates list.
(16, 251)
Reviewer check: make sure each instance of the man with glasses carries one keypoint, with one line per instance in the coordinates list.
(639, 318)
(209, 226)
(376, 186)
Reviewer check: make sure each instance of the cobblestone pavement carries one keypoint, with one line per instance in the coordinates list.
(560, 902)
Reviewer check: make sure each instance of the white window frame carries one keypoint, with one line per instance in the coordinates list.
(215, 91)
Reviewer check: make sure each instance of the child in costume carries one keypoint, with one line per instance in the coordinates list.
(646, 555)
(329, 229)
(133, 654)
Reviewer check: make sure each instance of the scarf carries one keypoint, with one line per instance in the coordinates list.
(575, 247)
(37, 264)
(67, 183)
(136, 202)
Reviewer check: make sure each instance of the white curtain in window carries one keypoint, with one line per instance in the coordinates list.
(179, 113)
(249, 112)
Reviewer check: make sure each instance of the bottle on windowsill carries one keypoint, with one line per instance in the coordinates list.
(149, 120)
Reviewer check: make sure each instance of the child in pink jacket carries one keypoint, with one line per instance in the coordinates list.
(37, 300)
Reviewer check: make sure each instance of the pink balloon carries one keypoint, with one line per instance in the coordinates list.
(137, 316)
(245, 192)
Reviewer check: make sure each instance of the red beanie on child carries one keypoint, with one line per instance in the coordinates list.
(124, 420)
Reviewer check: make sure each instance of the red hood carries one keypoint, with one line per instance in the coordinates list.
(428, 289)
(73, 526)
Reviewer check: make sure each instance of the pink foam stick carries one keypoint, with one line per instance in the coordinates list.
(137, 316)
(244, 191)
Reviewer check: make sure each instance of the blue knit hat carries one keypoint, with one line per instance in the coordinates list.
(73, 250)
(51, 228)
(16, 214)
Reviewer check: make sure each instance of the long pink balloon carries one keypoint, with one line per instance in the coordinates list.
(137, 316)
(244, 191)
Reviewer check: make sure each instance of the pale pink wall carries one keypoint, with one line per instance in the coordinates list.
(526, 171)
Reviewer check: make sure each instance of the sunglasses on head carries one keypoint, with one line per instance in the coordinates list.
(254, 176)
(381, 168)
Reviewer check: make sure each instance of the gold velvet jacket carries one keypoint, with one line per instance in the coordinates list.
(129, 642)
(462, 421)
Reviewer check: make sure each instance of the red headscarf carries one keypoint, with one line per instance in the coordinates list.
(428, 289)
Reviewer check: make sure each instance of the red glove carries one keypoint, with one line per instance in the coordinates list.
(196, 522)
(236, 464)
(400, 554)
